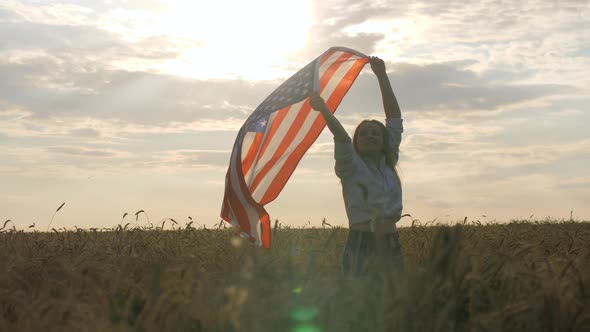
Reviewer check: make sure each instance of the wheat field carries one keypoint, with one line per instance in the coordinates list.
(518, 276)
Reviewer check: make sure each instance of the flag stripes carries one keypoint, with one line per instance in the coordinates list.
(271, 143)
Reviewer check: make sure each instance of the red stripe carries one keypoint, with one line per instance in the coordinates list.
(264, 221)
(262, 215)
(225, 210)
(238, 210)
(224, 206)
(293, 160)
(249, 159)
(297, 124)
(276, 122)
(265, 229)
(327, 76)
(285, 142)
(345, 84)
(287, 170)
(237, 207)
(235, 203)
(230, 200)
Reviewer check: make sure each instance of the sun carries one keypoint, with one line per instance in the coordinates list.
(235, 38)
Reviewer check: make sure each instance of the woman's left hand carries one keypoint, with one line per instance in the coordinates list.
(317, 102)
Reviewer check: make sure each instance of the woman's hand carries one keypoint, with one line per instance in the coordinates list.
(317, 102)
(378, 65)
(390, 104)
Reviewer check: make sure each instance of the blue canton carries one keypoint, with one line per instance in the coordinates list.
(259, 126)
(295, 89)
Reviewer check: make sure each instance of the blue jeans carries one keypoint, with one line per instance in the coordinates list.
(362, 248)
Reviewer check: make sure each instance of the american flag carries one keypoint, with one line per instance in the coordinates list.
(275, 137)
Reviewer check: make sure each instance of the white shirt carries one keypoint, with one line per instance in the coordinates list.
(370, 189)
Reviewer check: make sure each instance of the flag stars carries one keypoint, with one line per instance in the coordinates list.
(295, 89)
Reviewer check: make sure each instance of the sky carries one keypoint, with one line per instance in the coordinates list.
(116, 106)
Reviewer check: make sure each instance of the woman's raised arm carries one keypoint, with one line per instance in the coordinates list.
(390, 104)
(340, 134)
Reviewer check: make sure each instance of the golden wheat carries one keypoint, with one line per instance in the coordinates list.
(521, 276)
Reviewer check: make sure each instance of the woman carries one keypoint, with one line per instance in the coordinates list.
(370, 184)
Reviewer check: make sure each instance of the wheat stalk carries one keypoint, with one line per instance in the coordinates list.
(6, 222)
(59, 208)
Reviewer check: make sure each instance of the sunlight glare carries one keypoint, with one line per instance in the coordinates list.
(235, 39)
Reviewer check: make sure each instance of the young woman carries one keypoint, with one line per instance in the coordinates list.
(370, 184)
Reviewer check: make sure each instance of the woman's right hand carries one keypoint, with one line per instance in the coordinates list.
(317, 102)
(377, 65)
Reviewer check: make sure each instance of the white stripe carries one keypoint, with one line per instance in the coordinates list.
(258, 231)
(316, 78)
(273, 145)
(269, 178)
(247, 142)
(307, 124)
(349, 50)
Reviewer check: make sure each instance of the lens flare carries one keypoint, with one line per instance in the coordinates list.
(304, 314)
(307, 327)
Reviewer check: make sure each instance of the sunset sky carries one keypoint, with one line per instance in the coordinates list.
(118, 106)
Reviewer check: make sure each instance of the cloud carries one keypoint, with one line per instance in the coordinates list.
(75, 161)
(321, 149)
(451, 87)
(85, 72)
(50, 13)
(494, 110)
(332, 18)
(480, 161)
(183, 159)
(68, 67)
(49, 86)
(577, 182)
(85, 132)
(82, 152)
